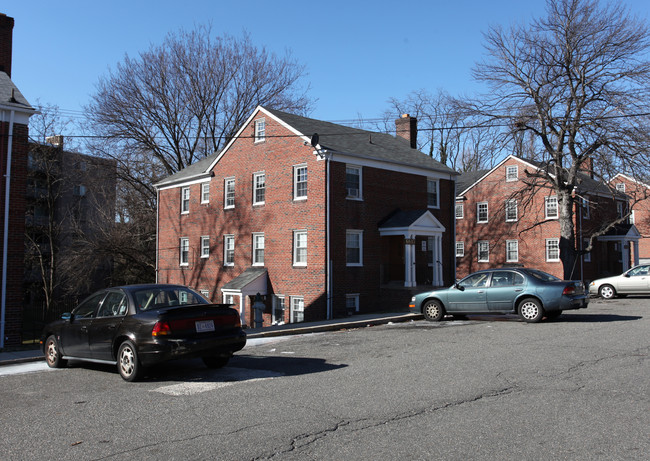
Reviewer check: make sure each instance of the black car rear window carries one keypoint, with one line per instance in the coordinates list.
(158, 297)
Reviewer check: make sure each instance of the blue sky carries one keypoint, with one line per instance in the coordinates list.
(358, 53)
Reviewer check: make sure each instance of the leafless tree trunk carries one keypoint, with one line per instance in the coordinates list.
(576, 83)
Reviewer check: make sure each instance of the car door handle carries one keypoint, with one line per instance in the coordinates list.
(481, 291)
(84, 329)
(518, 290)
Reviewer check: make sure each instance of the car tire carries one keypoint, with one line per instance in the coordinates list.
(215, 361)
(433, 310)
(53, 353)
(128, 362)
(607, 292)
(530, 310)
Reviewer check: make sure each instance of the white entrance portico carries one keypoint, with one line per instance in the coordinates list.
(410, 225)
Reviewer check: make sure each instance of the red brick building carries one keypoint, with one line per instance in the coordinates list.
(498, 223)
(320, 219)
(639, 193)
(14, 121)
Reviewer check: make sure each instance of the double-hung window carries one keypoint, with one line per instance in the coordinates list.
(550, 205)
(511, 210)
(184, 251)
(460, 249)
(553, 249)
(185, 200)
(512, 251)
(259, 188)
(205, 192)
(483, 251)
(229, 250)
(353, 181)
(300, 182)
(354, 247)
(587, 256)
(258, 249)
(482, 212)
(297, 309)
(229, 193)
(432, 193)
(260, 130)
(300, 248)
(205, 246)
(460, 211)
(512, 173)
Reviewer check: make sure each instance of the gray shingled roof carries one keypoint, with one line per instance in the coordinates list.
(362, 143)
(337, 138)
(6, 88)
(468, 178)
(249, 275)
(401, 218)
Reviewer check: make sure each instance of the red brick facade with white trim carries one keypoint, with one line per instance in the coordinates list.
(384, 189)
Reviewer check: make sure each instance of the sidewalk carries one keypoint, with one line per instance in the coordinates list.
(354, 321)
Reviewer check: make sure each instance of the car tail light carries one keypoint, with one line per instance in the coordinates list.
(569, 290)
(161, 329)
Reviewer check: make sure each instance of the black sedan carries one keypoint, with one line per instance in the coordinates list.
(137, 326)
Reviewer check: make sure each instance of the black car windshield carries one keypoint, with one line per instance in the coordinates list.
(543, 276)
(157, 297)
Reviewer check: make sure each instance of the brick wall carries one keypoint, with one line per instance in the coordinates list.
(16, 238)
(531, 229)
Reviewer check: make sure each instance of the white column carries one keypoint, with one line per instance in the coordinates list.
(409, 262)
(438, 261)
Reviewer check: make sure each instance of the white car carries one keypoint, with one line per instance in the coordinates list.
(633, 281)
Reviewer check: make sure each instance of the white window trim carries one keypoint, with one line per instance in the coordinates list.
(586, 257)
(460, 245)
(487, 212)
(257, 123)
(205, 239)
(620, 186)
(546, 207)
(360, 234)
(255, 176)
(547, 248)
(255, 248)
(359, 191)
(461, 207)
(508, 259)
(355, 297)
(226, 182)
(184, 243)
(295, 182)
(516, 209)
(185, 200)
(437, 183)
(296, 248)
(478, 248)
(205, 192)
(516, 169)
(226, 239)
(292, 301)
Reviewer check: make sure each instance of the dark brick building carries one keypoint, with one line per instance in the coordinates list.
(14, 121)
(320, 219)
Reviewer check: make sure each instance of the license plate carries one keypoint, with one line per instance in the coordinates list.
(204, 325)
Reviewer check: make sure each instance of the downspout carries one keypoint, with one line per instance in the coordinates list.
(5, 243)
(157, 229)
(328, 276)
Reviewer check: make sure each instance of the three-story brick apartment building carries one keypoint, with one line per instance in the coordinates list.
(318, 218)
(501, 221)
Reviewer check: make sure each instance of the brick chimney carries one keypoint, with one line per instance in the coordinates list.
(6, 40)
(407, 127)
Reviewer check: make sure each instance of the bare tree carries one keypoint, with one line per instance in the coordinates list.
(446, 132)
(186, 98)
(572, 88)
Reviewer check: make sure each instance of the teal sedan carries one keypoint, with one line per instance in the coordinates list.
(530, 293)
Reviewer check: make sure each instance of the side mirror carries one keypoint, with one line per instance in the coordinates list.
(67, 316)
(459, 287)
